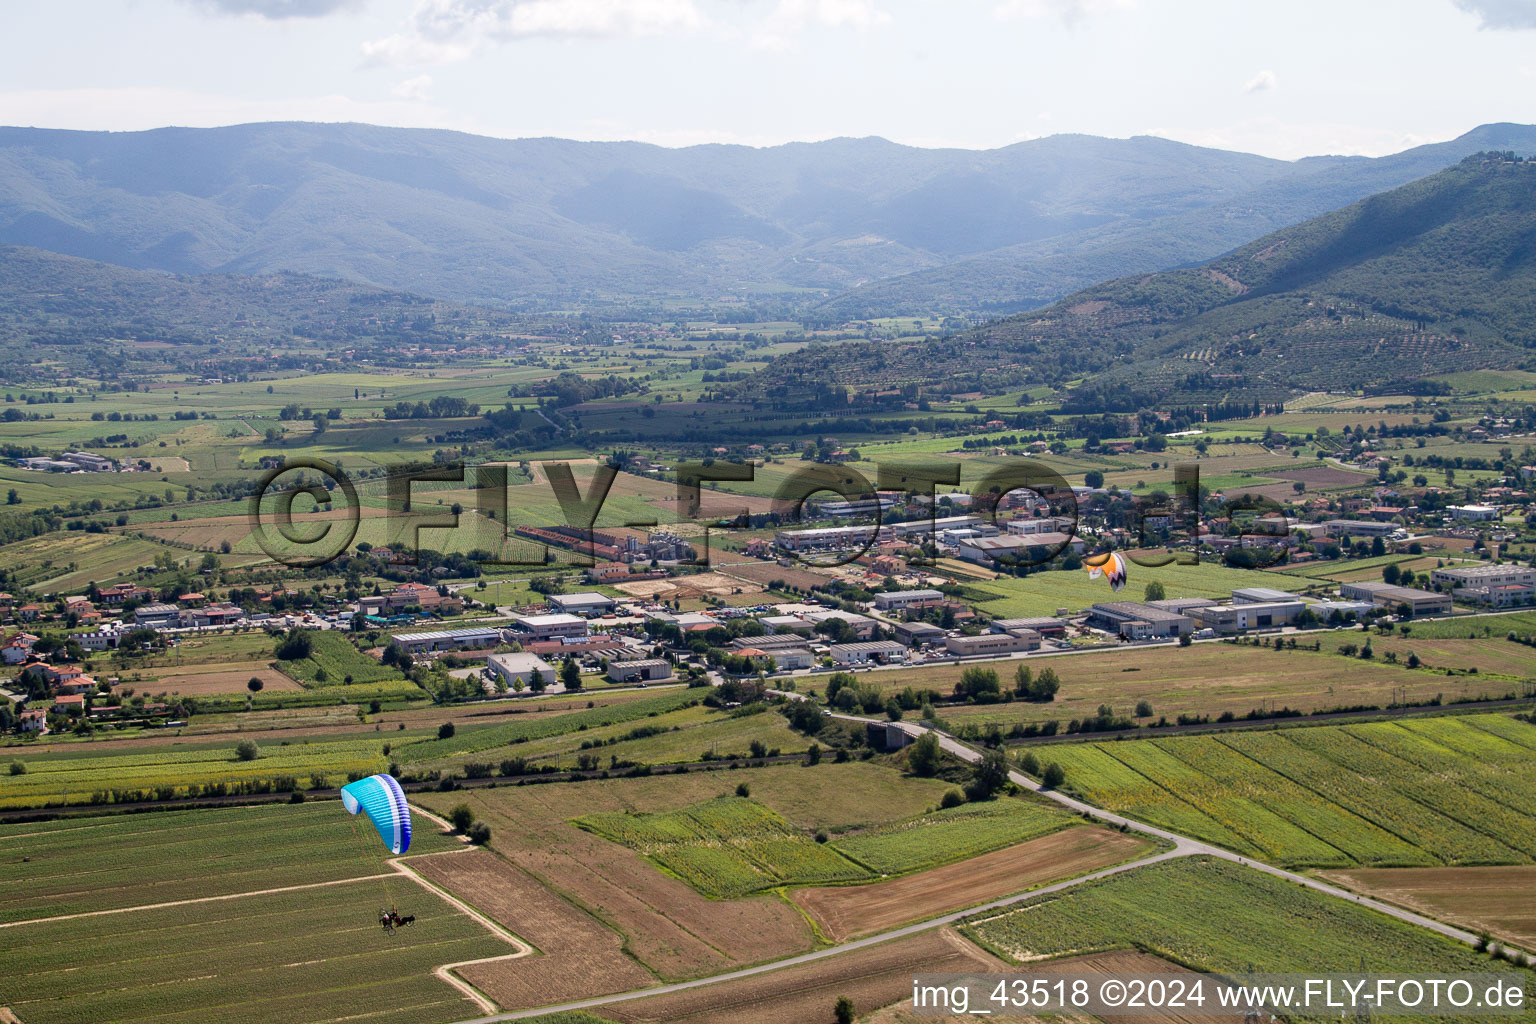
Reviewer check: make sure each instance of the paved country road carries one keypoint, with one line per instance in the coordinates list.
(1183, 846)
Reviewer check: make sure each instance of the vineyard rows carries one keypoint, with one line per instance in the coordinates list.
(1417, 793)
(733, 846)
(1217, 916)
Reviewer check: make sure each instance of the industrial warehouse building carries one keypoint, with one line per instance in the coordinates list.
(1484, 576)
(1228, 619)
(519, 668)
(1385, 595)
(449, 640)
(873, 652)
(583, 604)
(830, 538)
(896, 600)
(1043, 625)
(993, 643)
(645, 670)
(1136, 621)
(550, 627)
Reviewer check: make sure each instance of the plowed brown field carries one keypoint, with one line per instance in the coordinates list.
(1499, 900)
(844, 912)
(874, 977)
(576, 955)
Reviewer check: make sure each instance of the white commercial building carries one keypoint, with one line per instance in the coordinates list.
(519, 668)
(873, 652)
(590, 603)
(1473, 513)
(550, 627)
(993, 643)
(1483, 575)
(646, 670)
(830, 538)
(895, 600)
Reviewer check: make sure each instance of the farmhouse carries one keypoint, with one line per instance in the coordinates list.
(118, 593)
(35, 721)
(76, 685)
(644, 670)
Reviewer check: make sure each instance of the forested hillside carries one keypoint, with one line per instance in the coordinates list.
(1428, 278)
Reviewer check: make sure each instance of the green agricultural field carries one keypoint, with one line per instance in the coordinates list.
(1521, 623)
(728, 847)
(731, 846)
(1213, 915)
(1213, 678)
(1454, 790)
(78, 865)
(285, 958)
(1043, 592)
(70, 560)
(334, 660)
(146, 772)
(951, 834)
(685, 735)
(531, 727)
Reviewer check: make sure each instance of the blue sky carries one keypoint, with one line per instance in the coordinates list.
(1285, 78)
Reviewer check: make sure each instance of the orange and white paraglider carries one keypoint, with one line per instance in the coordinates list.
(1111, 566)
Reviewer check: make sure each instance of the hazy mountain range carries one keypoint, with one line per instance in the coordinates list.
(1433, 277)
(853, 226)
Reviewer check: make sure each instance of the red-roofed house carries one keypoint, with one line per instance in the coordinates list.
(18, 648)
(35, 721)
(69, 704)
(120, 592)
(81, 684)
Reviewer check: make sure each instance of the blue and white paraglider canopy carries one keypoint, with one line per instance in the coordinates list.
(382, 799)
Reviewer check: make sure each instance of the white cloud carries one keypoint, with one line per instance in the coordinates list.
(1496, 14)
(414, 89)
(1068, 12)
(443, 31)
(1264, 81)
(274, 10)
(790, 18)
